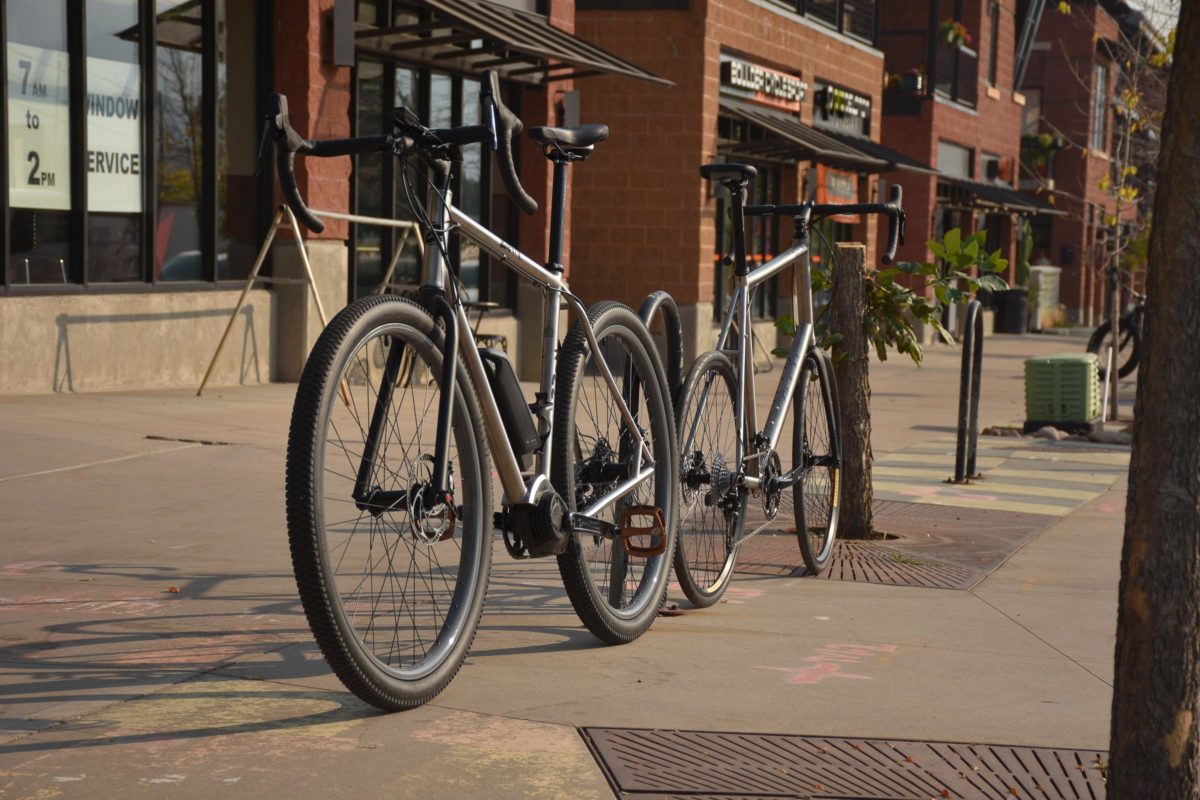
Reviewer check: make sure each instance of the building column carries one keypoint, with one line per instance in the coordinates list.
(319, 107)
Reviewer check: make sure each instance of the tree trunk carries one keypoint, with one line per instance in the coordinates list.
(1156, 695)
(851, 357)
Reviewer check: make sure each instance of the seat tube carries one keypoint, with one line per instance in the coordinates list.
(737, 194)
(551, 314)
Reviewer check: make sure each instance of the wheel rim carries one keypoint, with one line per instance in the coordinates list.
(708, 452)
(401, 586)
(602, 451)
(819, 486)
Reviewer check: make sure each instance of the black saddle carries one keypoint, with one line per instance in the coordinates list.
(728, 172)
(579, 136)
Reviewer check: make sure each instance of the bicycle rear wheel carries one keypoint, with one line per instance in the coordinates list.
(1130, 352)
(615, 594)
(712, 509)
(392, 584)
(816, 455)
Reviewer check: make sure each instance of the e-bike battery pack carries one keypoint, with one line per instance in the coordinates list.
(514, 411)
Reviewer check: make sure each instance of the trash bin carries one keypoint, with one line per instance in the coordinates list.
(1012, 311)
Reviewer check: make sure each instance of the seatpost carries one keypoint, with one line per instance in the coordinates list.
(558, 208)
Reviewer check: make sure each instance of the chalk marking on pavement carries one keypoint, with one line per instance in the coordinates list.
(129, 457)
(829, 661)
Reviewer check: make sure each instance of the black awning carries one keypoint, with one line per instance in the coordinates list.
(996, 196)
(790, 138)
(474, 35)
(897, 160)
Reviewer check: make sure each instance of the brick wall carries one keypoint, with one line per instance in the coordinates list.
(1062, 69)
(644, 219)
(318, 101)
(992, 127)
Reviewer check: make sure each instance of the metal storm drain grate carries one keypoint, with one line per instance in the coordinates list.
(865, 562)
(705, 764)
(938, 547)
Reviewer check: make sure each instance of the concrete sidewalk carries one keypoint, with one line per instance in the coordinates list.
(151, 643)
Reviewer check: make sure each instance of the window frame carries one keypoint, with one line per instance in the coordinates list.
(1098, 124)
(208, 203)
(802, 8)
(993, 69)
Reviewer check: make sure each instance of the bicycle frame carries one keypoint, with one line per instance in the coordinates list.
(737, 323)
(460, 346)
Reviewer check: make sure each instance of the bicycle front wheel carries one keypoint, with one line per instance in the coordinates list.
(617, 595)
(816, 460)
(712, 508)
(392, 583)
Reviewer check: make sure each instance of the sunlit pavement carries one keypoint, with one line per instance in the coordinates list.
(151, 643)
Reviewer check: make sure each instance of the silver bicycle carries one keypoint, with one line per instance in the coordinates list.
(725, 459)
(389, 487)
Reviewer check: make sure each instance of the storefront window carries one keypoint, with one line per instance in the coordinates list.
(39, 143)
(369, 240)
(142, 170)
(179, 65)
(114, 134)
(761, 237)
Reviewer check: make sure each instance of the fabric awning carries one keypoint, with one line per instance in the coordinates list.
(998, 197)
(897, 160)
(790, 138)
(474, 35)
(794, 139)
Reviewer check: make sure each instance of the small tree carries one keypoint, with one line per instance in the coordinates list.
(899, 301)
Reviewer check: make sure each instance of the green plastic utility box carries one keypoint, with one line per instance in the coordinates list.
(1063, 391)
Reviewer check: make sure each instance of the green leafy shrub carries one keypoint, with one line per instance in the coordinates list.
(896, 304)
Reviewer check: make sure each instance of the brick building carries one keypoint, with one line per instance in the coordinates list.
(793, 87)
(1067, 138)
(952, 103)
(133, 210)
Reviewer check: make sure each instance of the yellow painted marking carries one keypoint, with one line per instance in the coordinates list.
(1068, 480)
(935, 458)
(1114, 459)
(994, 487)
(1099, 478)
(837, 478)
(895, 491)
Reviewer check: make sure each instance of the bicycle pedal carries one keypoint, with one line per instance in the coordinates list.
(656, 531)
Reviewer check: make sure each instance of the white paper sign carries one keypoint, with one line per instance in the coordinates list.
(39, 133)
(114, 137)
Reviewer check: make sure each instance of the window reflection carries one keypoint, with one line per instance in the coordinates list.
(38, 149)
(114, 134)
(178, 64)
(368, 184)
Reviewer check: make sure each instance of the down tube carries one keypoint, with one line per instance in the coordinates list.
(787, 384)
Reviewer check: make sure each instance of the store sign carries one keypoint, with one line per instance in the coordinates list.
(842, 110)
(837, 186)
(39, 131)
(114, 118)
(767, 86)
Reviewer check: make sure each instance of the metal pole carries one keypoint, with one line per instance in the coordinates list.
(975, 320)
(258, 262)
(968, 396)
(312, 282)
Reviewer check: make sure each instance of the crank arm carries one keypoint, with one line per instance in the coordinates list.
(582, 523)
